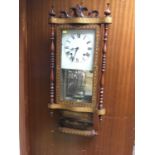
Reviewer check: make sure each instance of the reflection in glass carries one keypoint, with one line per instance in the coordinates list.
(76, 85)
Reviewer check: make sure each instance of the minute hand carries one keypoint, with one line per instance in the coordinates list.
(76, 49)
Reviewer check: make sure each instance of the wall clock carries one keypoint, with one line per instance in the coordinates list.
(78, 59)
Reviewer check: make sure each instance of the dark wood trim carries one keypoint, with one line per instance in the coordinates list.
(23, 76)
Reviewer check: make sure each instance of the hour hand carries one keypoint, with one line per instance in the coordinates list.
(72, 49)
(77, 48)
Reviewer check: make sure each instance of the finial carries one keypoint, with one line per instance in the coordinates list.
(52, 12)
(93, 13)
(107, 11)
(79, 10)
(64, 14)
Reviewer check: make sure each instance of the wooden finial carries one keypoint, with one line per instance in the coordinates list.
(52, 12)
(64, 14)
(79, 10)
(107, 11)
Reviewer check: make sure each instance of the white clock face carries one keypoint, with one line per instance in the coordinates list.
(77, 50)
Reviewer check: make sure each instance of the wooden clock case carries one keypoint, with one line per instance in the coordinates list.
(77, 118)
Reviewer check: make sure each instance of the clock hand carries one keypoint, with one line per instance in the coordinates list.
(76, 49)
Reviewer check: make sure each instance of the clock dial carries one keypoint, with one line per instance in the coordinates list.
(77, 50)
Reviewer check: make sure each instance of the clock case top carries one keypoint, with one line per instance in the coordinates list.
(78, 18)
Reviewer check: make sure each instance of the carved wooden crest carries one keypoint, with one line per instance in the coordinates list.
(79, 11)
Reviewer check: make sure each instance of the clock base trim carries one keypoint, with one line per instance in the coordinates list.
(101, 112)
(87, 133)
(65, 107)
(76, 109)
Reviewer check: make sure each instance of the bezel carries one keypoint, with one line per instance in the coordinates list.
(69, 104)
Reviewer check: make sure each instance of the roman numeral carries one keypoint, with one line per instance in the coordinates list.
(72, 58)
(68, 41)
(78, 35)
(84, 37)
(72, 36)
(68, 52)
(66, 47)
(77, 60)
(88, 42)
(89, 48)
(86, 54)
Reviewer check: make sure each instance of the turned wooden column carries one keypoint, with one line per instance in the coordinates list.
(52, 60)
(101, 108)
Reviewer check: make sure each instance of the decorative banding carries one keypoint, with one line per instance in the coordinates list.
(88, 133)
(101, 112)
(76, 109)
(108, 20)
(79, 20)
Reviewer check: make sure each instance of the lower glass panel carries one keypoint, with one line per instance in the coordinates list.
(76, 85)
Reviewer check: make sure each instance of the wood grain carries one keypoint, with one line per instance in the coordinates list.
(37, 128)
(23, 68)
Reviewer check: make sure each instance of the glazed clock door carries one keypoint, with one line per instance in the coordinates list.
(77, 64)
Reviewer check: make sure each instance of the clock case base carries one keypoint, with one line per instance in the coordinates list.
(76, 123)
